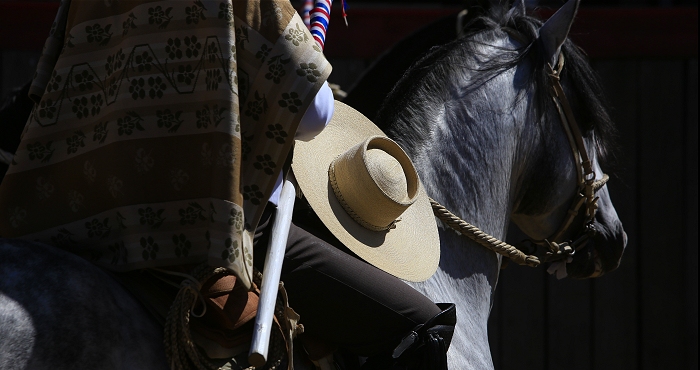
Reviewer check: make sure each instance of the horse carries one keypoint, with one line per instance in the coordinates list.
(477, 118)
(59, 311)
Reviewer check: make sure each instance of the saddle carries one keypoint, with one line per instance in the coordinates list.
(209, 318)
(217, 317)
(227, 322)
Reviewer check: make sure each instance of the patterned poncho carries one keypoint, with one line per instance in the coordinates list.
(160, 129)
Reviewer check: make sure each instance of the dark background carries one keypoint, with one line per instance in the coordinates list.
(645, 314)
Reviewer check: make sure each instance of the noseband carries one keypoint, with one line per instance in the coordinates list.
(587, 186)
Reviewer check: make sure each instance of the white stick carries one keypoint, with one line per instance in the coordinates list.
(271, 276)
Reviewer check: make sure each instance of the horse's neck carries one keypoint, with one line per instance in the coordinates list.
(468, 272)
(467, 277)
(467, 164)
(469, 159)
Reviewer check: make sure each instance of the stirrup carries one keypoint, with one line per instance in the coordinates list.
(425, 347)
(430, 340)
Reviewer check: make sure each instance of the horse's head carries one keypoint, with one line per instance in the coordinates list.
(563, 197)
(478, 117)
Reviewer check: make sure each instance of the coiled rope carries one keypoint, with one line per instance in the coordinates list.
(179, 347)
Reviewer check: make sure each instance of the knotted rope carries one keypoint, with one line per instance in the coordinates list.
(491, 242)
(482, 238)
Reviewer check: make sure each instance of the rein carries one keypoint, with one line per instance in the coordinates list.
(587, 187)
(475, 234)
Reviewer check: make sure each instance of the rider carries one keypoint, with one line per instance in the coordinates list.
(158, 140)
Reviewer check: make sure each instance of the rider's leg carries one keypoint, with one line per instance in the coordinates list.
(344, 300)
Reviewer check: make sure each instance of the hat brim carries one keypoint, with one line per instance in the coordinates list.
(411, 251)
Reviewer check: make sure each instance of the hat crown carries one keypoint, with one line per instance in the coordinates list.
(375, 182)
(388, 174)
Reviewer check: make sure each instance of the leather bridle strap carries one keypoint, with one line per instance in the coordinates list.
(569, 122)
(587, 186)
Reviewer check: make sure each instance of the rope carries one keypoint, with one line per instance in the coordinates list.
(482, 238)
(181, 351)
(491, 242)
(179, 347)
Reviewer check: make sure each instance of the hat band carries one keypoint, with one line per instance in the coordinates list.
(339, 195)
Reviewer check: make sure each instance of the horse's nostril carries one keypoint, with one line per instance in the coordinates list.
(624, 239)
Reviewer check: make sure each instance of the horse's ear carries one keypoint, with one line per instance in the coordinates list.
(553, 33)
(520, 6)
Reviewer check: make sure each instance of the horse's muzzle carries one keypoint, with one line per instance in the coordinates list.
(601, 254)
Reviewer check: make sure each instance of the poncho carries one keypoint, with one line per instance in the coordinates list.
(159, 130)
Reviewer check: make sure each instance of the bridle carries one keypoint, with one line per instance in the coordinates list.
(585, 198)
(587, 185)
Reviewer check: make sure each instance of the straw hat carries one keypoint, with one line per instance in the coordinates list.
(364, 188)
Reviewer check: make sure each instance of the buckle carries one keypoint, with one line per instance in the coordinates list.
(406, 343)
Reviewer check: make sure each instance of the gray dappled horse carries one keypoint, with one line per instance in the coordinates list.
(476, 117)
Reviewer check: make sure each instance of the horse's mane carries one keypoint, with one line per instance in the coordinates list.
(429, 73)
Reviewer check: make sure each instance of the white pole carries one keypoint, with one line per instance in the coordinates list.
(271, 275)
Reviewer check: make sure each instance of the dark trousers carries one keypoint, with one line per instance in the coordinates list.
(342, 299)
